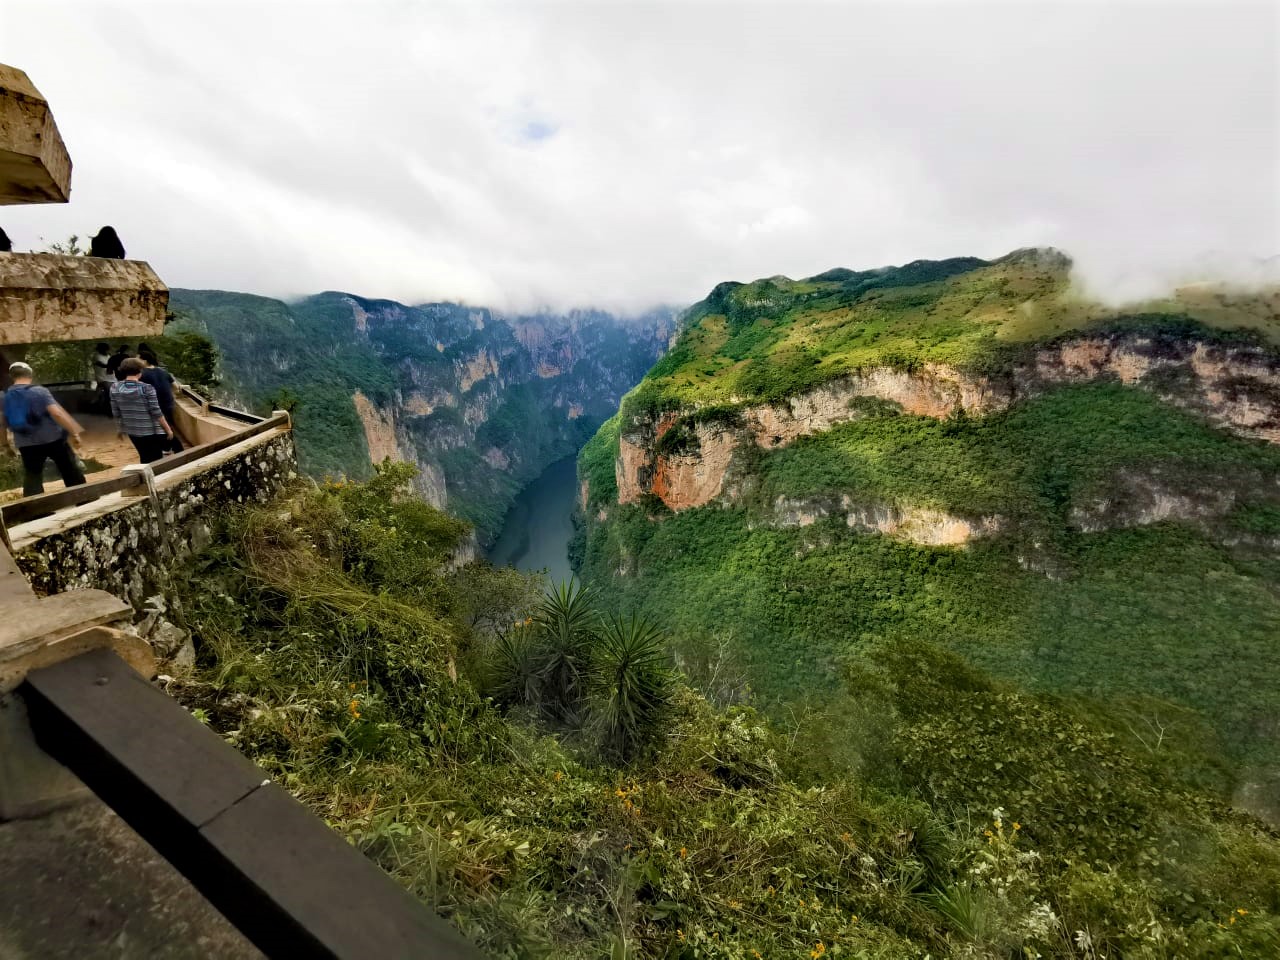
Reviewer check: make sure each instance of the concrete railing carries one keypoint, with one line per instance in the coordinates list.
(209, 436)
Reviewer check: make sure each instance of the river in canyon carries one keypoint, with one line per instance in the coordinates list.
(535, 535)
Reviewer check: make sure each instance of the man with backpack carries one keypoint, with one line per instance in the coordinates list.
(40, 427)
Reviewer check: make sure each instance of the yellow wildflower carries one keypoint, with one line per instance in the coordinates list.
(1233, 920)
(987, 833)
(354, 707)
(683, 853)
(1243, 912)
(1017, 825)
(818, 950)
(558, 776)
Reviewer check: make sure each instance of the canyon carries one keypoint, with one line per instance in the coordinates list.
(479, 400)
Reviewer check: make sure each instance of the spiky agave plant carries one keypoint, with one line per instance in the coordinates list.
(517, 667)
(631, 684)
(566, 625)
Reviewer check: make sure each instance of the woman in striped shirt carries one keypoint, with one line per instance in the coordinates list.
(137, 411)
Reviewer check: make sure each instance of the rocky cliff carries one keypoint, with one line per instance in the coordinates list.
(684, 458)
(479, 400)
(1074, 496)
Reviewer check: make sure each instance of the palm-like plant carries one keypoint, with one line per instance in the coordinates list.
(566, 624)
(632, 683)
(517, 667)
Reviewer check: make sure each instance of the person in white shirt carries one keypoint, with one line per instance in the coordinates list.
(102, 376)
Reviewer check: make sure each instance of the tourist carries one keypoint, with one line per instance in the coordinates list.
(5, 245)
(106, 244)
(40, 427)
(103, 377)
(161, 381)
(114, 361)
(137, 411)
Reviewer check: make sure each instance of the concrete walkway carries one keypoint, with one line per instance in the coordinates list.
(79, 883)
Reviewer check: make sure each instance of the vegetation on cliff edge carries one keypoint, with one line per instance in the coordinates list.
(340, 649)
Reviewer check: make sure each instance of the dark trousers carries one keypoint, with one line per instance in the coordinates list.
(34, 457)
(174, 445)
(150, 448)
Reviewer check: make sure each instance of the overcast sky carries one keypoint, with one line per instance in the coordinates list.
(624, 154)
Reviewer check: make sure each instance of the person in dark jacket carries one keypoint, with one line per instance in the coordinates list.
(161, 381)
(114, 361)
(40, 427)
(106, 244)
(5, 245)
(137, 412)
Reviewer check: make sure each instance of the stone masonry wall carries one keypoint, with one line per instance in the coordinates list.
(126, 552)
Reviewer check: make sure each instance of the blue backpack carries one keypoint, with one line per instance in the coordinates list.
(17, 410)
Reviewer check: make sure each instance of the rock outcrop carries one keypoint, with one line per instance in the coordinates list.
(1236, 387)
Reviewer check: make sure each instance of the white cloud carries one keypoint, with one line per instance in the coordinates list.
(625, 154)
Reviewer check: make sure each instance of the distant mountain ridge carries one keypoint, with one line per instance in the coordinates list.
(481, 401)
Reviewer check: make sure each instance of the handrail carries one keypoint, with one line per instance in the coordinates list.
(230, 440)
(29, 508)
(191, 394)
(42, 504)
(231, 414)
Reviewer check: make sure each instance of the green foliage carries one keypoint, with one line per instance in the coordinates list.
(191, 357)
(566, 626)
(69, 247)
(596, 463)
(631, 680)
(578, 670)
(334, 670)
(771, 339)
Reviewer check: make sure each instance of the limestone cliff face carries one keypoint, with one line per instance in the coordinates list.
(922, 525)
(1237, 388)
(485, 400)
(481, 401)
(386, 440)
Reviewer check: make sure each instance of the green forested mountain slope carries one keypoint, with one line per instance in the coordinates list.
(932, 812)
(480, 401)
(1081, 500)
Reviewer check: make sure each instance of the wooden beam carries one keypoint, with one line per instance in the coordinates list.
(30, 621)
(292, 885)
(43, 504)
(14, 585)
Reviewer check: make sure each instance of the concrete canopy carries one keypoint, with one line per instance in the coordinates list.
(34, 164)
(49, 297)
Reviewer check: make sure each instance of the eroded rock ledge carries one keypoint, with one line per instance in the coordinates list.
(1235, 387)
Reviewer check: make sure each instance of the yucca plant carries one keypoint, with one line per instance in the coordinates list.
(516, 665)
(631, 684)
(565, 624)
